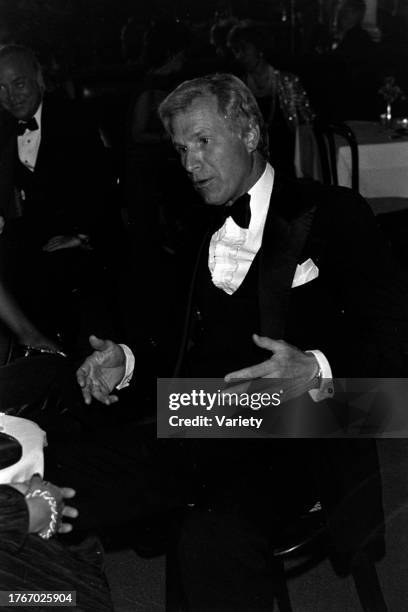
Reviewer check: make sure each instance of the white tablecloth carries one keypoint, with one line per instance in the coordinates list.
(32, 438)
(383, 161)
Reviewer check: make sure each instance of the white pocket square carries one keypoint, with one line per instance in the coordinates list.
(305, 272)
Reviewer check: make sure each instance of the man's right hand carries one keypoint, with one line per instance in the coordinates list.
(102, 371)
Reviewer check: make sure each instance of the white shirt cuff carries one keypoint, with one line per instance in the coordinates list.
(326, 388)
(129, 367)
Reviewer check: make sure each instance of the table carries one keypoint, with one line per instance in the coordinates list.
(32, 439)
(383, 163)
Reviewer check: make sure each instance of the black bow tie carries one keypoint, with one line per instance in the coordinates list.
(31, 125)
(240, 211)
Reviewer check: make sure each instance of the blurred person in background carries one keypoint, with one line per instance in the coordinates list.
(56, 194)
(219, 40)
(150, 161)
(352, 39)
(280, 96)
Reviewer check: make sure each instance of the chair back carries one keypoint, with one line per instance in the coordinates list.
(307, 538)
(325, 133)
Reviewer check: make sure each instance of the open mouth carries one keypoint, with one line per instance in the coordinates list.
(202, 184)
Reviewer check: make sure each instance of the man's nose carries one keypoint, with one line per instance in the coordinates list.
(192, 161)
(12, 96)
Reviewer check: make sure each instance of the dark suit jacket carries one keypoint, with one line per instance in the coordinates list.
(355, 312)
(70, 190)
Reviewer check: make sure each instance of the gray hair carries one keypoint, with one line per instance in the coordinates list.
(235, 102)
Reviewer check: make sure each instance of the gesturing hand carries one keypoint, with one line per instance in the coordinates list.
(296, 368)
(102, 371)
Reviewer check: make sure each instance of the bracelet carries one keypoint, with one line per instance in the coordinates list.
(46, 534)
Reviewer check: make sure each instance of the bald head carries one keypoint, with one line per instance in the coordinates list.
(21, 81)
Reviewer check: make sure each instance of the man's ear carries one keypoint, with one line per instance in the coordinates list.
(252, 137)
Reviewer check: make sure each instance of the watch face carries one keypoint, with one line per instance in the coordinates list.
(11, 450)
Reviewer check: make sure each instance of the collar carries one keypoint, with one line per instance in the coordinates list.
(260, 197)
(38, 115)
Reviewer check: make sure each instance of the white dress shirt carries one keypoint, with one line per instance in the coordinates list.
(29, 143)
(232, 248)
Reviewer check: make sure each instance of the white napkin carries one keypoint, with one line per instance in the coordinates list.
(33, 439)
(305, 272)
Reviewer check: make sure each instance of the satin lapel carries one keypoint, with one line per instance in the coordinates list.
(282, 244)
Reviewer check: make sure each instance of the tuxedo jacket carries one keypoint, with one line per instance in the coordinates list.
(70, 190)
(355, 312)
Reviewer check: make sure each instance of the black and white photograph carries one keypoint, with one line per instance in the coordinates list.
(204, 305)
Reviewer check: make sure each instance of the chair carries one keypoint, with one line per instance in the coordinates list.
(306, 539)
(325, 133)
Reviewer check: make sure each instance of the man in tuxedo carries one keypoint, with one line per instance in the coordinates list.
(304, 267)
(55, 188)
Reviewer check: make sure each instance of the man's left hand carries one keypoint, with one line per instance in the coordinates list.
(295, 369)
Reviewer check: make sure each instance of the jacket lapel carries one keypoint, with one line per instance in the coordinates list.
(286, 231)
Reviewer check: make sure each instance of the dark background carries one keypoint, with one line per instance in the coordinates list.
(79, 43)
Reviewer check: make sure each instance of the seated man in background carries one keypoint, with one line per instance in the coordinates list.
(315, 281)
(56, 191)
